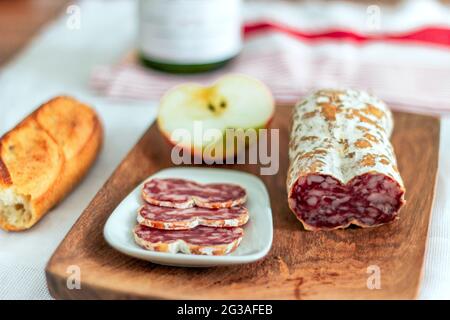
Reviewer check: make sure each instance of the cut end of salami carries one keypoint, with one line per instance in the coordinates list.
(322, 202)
(180, 193)
(188, 218)
(343, 168)
(200, 240)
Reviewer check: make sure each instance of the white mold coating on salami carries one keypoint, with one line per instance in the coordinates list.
(200, 240)
(188, 218)
(181, 193)
(342, 165)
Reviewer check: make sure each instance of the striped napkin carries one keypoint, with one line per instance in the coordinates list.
(295, 51)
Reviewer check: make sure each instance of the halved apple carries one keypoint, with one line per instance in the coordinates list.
(198, 119)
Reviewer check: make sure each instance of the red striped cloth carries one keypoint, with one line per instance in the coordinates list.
(410, 70)
(426, 35)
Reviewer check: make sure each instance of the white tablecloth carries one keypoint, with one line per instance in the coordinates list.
(59, 61)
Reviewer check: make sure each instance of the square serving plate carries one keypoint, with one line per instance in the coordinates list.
(258, 232)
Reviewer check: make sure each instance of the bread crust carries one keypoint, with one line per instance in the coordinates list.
(76, 131)
(5, 178)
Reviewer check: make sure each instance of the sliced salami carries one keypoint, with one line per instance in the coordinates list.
(200, 240)
(188, 218)
(180, 193)
(343, 169)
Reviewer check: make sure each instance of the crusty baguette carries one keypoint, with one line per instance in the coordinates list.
(43, 158)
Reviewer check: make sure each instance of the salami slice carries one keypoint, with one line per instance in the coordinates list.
(200, 240)
(343, 169)
(188, 218)
(180, 193)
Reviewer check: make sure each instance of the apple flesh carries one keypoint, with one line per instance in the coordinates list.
(198, 119)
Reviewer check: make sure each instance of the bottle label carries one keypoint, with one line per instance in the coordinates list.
(190, 31)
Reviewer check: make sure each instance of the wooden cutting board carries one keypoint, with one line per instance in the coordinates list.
(300, 265)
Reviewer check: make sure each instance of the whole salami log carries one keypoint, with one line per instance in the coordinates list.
(343, 169)
(180, 193)
(200, 240)
(188, 218)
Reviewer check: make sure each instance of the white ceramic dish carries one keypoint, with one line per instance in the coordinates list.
(255, 244)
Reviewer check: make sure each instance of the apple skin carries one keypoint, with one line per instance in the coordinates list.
(199, 152)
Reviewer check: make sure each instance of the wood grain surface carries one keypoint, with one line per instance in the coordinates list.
(20, 20)
(300, 265)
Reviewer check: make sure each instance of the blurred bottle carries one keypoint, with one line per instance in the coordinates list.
(187, 36)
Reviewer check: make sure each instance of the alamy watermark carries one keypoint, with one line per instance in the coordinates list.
(374, 279)
(73, 281)
(373, 18)
(74, 17)
(232, 146)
